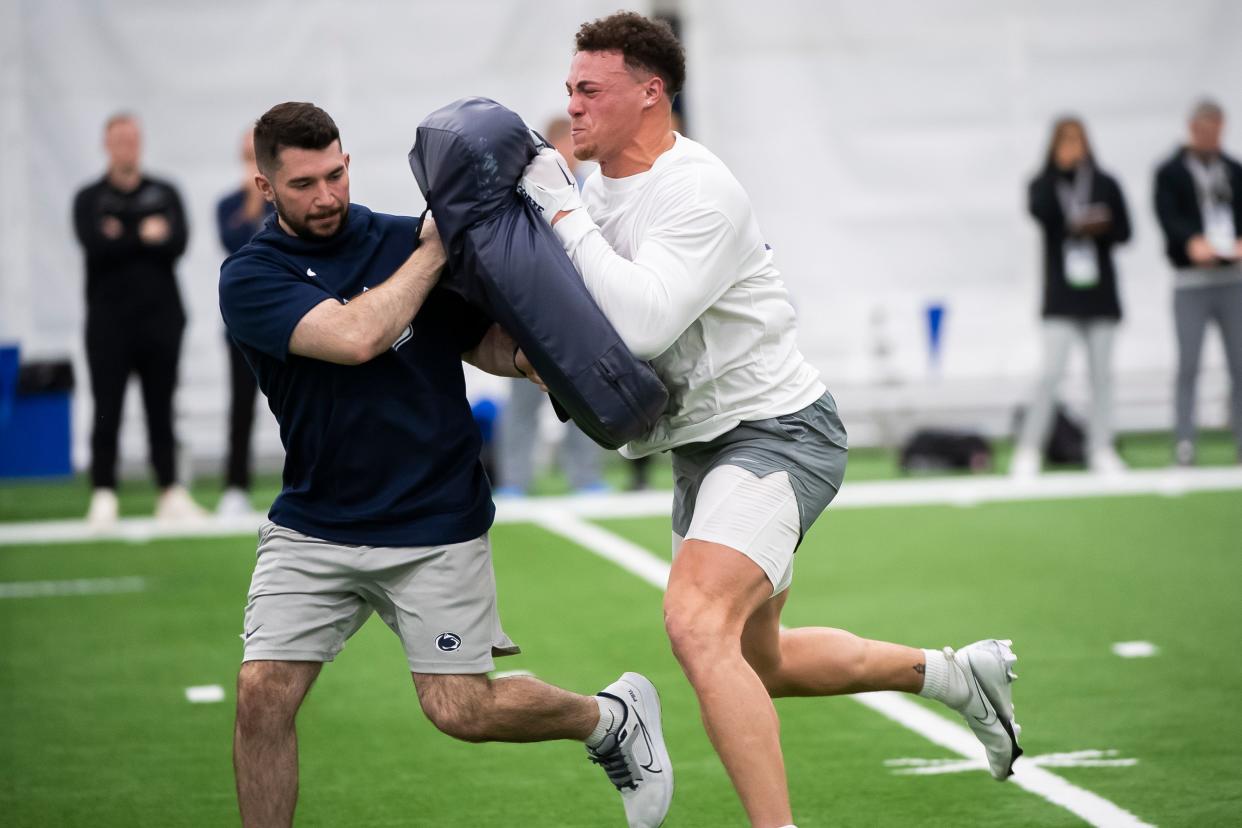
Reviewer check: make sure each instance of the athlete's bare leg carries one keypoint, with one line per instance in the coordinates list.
(822, 661)
(474, 708)
(712, 591)
(265, 744)
(724, 628)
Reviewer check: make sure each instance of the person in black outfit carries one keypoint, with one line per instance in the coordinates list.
(1082, 213)
(132, 230)
(239, 215)
(1199, 204)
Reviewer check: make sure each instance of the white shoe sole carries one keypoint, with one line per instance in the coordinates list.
(991, 664)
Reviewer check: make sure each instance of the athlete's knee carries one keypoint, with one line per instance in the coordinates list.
(460, 722)
(462, 711)
(697, 631)
(269, 693)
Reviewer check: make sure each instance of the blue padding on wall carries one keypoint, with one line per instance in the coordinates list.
(34, 441)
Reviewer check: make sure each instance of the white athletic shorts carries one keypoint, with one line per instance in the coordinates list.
(757, 516)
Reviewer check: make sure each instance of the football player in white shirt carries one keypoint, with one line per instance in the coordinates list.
(668, 245)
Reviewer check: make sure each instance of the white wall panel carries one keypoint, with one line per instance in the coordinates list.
(886, 146)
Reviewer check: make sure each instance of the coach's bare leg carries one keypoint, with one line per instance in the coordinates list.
(474, 708)
(712, 591)
(821, 661)
(265, 744)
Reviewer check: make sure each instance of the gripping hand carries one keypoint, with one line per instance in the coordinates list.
(548, 185)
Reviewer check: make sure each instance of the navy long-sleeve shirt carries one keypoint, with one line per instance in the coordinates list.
(126, 276)
(235, 229)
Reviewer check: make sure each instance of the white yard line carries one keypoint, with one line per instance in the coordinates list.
(951, 491)
(1093, 809)
(78, 586)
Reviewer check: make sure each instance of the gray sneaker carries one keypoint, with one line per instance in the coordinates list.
(987, 667)
(633, 753)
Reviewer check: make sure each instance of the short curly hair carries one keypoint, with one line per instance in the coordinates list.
(645, 44)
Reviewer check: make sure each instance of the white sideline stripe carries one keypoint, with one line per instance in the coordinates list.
(954, 491)
(636, 560)
(77, 586)
(130, 530)
(611, 547)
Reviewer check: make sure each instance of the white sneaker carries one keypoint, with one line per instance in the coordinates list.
(1184, 453)
(988, 709)
(1025, 463)
(234, 502)
(633, 753)
(103, 510)
(176, 505)
(1107, 461)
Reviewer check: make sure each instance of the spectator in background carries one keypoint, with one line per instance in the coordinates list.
(1082, 213)
(132, 230)
(240, 215)
(518, 434)
(1199, 204)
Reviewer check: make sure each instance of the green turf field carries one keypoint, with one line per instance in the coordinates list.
(58, 499)
(97, 730)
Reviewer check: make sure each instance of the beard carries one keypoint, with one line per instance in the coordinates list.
(585, 152)
(303, 230)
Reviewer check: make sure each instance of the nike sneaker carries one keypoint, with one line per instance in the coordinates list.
(633, 752)
(987, 669)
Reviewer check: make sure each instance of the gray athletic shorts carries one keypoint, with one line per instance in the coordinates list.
(307, 596)
(766, 517)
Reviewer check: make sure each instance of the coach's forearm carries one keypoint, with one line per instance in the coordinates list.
(374, 320)
(366, 326)
(494, 354)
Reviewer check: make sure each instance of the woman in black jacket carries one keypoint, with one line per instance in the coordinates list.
(1082, 213)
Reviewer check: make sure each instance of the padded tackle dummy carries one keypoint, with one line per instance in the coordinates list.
(505, 259)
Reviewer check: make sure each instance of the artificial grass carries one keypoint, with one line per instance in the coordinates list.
(97, 730)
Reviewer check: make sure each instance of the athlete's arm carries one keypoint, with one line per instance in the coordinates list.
(685, 263)
(357, 332)
(498, 354)
(682, 267)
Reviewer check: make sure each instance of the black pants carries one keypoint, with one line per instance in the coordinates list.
(117, 346)
(241, 418)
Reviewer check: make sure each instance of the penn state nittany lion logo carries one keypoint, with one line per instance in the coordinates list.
(448, 641)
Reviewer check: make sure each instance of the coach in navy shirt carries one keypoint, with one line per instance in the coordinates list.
(380, 448)
(385, 507)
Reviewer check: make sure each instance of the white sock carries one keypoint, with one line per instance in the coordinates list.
(942, 680)
(610, 714)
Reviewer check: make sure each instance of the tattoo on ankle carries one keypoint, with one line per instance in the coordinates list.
(921, 669)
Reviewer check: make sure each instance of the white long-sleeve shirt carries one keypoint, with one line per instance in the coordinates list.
(674, 258)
